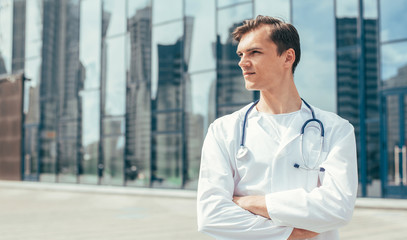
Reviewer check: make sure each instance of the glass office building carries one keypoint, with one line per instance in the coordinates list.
(122, 92)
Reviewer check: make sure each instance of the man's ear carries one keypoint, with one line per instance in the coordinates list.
(289, 57)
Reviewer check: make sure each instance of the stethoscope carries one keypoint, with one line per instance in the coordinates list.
(243, 151)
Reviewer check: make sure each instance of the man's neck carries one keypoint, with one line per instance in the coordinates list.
(281, 101)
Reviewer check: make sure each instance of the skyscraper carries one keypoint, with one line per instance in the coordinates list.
(138, 97)
(348, 83)
(230, 90)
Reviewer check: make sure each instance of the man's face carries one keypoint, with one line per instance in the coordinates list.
(262, 67)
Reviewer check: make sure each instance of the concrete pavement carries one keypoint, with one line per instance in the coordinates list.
(38, 211)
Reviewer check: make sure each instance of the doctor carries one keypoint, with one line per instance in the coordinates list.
(262, 186)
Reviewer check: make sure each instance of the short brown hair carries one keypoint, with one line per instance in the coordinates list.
(283, 34)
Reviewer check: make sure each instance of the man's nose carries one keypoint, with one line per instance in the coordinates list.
(244, 62)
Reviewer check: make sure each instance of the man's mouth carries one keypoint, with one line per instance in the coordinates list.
(248, 73)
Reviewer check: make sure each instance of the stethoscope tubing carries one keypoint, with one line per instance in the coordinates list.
(313, 119)
(245, 121)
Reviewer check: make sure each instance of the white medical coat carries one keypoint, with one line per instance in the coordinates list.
(295, 198)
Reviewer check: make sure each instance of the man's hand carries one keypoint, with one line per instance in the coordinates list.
(298, 234)
(253, 204)
(257, 205)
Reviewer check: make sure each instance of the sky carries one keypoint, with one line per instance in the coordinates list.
(315, 74)
(89, 50)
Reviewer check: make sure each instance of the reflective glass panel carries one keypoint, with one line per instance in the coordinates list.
(396, 108)
(6, 35)
(347, 8)
(224, 3)
(393, 137)
(90, 42)
(370, 9)
(69, 116)
(113, 126)
(115, 102)
(167, 105)
(138, 44)
(69, 129)
(67, 160)
(167, 165)
(114, 13)
(166, 69)
(230, 18)
(200, 35)
(115, 99)
(113, 155)
(168, 121)
(133, 6)
(202, 94)
(373, 159)
(347, 69)
(138, 137)
(50, 95)
(138, 107)
(167, 10)
(19, 13)
(274, 8)
(90, 54)
(90, 117)
(32, 114)
(33, 28)
(90, 136)
(393, 20)
(371, 67)
(230, 90)
(315, 74)
(32, 91)
(403, 139)
(30, 149)
(394, 65)
(200, 113)
(48, 154)
(372, 105)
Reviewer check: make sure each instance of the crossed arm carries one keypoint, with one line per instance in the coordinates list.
(257, 205)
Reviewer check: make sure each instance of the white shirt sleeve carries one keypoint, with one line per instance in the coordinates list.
(218, 215)
(329, 206)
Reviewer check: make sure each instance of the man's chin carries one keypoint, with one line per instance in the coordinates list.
(250, 86)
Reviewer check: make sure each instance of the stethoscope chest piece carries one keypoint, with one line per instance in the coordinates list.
(242, 153)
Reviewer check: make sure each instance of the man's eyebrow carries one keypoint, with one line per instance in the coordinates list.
(249, 50)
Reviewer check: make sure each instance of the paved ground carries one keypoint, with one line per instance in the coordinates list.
(34, 213)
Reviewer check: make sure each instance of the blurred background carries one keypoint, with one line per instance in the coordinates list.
(121, 93)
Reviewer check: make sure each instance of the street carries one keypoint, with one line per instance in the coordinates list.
(77, 213)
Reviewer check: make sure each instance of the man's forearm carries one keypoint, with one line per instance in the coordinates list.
(253, 204)
(257, 205)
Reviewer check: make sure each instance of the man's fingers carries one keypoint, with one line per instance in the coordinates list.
(301, 234)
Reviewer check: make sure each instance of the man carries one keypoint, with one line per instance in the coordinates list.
(259, 179)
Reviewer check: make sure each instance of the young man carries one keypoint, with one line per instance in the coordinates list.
(259, 178)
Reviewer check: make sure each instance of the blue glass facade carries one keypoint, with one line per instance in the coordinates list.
(122, 92)
(393, 100)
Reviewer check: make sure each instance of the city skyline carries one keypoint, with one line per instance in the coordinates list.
(122, 92)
